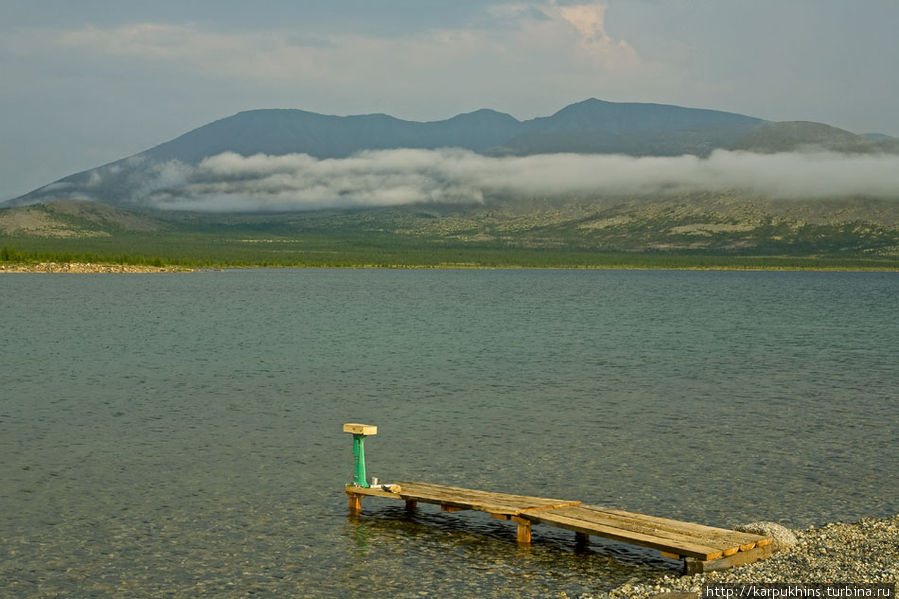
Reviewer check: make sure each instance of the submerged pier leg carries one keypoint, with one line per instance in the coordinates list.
(355, 503)
(581, 540)
(524, 530)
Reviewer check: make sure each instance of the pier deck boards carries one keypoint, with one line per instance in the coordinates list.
(504, 504)
(702, 548)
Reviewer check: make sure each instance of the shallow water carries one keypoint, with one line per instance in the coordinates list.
(172, 434)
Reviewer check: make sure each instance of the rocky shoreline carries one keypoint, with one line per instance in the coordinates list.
(86, 268)
(866, 551)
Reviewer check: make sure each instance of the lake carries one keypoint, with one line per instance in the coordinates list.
(170, 435)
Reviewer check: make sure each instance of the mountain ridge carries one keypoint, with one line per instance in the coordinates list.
(591, 126)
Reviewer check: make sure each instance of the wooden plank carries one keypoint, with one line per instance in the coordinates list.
(507, 502)
(475, 496)
(681, 547)
(699, 529)
(679, 525)
(695, 566)
(592, 517)
(461, 502)
(452, 508)
(478, 500)
(727, 540)
(371, 492)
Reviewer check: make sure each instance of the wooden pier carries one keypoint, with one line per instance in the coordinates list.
(702, 548)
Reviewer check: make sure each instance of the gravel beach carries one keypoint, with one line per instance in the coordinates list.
(85, 268)
(866, 551)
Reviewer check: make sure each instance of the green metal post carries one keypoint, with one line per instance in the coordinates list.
(359, 478)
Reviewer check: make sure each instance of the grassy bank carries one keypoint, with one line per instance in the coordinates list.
(386, 250)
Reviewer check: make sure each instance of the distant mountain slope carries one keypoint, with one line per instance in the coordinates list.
(722, 223)
(792, 136)
(879, 136)
(76, 218)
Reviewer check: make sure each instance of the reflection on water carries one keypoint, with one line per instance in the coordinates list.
(179, 435)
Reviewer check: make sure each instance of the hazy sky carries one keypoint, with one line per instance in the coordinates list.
(87, 82)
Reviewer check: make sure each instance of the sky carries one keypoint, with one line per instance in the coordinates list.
(89, 82)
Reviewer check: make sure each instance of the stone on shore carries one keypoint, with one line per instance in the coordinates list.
(783, 536)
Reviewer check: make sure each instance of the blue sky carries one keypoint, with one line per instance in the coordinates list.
(88, 82)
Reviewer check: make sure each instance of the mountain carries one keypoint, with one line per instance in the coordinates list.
(179, 175)
(591, 126)
(794, 136)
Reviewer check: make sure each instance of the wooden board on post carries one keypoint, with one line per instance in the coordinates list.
(360, 429)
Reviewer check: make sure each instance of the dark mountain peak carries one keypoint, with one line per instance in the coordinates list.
(588, 105)
(374, 116)
(618, 117)
(598, 126)
(261, 112)
(483, 115)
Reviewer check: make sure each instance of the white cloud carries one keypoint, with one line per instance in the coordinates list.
(588, 19)
(231, 182)
(529, 35)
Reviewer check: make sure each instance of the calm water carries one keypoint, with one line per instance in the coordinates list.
(174, 435)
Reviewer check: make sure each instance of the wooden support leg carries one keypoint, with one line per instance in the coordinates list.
(355, 503)
(695, 566)
(524, 530)
(410, 505)
(581, 540)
